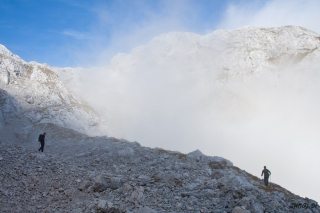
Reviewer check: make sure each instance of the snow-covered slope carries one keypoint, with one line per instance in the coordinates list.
(233, 52)
(33, 93)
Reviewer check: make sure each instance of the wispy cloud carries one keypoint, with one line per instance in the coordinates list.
(76, 34)
(122, 27)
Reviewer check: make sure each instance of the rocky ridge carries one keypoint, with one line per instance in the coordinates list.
(34, 94)
(109, 175)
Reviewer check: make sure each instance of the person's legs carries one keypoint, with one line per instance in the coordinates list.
(42, 146)
(266, 181)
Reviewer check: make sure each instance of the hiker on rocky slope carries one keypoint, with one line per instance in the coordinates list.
(41, 140)
(266, 174)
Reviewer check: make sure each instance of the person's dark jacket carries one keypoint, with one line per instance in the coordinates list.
(41, 137)
(266, 173)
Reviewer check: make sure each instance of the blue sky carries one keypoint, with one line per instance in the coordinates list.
(61, 33)
(88, 33)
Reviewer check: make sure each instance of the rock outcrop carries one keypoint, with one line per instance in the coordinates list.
(42, 98)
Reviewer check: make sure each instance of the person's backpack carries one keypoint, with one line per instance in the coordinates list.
(40, 137)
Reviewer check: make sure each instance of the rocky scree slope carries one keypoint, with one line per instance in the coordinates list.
(109, 175)
(33, 94)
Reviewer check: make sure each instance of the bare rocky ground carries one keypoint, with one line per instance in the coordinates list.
(109, 175)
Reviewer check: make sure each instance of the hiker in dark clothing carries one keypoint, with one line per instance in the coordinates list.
(41, 139)
(266, 174)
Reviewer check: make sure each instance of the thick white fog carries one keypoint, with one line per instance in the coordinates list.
(179, 94)
(186, 94)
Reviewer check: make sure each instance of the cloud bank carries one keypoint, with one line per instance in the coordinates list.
(179, 93)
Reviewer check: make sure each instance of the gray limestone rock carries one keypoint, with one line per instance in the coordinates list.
(240, 210)
(105, 206)
(150, 181)
(165, 178)
(145, 210)
(102, 183)
(197, 155)
(126, 152)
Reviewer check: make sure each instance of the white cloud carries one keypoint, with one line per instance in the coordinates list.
(273, 13)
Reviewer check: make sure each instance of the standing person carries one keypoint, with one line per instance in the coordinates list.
(266, 174)
(41, 139)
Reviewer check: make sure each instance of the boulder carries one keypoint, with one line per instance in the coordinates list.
(126, 152)
(197, 155)
(219, 163)
(238, 209)
(165, 178)
(192, 186)
(216, 158)
(101, 183)
(145, 210)
(85, 186)
(257, 207)
(104, 206)
(137, 194)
